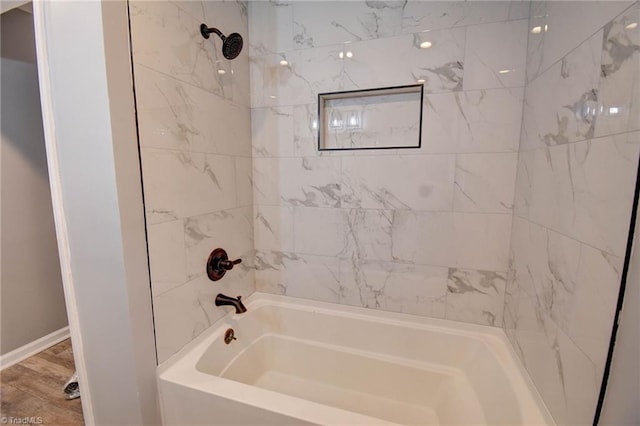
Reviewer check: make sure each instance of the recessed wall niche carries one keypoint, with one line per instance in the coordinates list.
(383, 118)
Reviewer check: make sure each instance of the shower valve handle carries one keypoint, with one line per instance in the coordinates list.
(218, 264)
(228, 264)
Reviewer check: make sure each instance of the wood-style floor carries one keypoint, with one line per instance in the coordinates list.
(33, 389)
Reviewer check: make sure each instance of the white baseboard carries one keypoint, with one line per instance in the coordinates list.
(24, 352)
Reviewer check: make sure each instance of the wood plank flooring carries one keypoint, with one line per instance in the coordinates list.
(33, 389)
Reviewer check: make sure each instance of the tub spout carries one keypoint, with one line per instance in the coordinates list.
(222, 300)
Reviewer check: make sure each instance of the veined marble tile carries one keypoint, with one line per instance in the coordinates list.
(429, 15)
(185, 54)
(295, 77)
(271, 270)
(308, 277)
(266, 177)
(524, 178)
(310, 182)
(181, 314)
(322, 23)
(481, 241)
(485, 183)
(319, 231)
(423, 238)
(566, 379)
(412, 289)
(272, 130)
(583, 189)
(426, 16)
(231, 230)
(181, 184)
(232, 17)
(167, 116)
(557, 27)
(176, 115)
(495, 55)
(545, 267)
(542, 185)
(581, 382)
(192, 7)
(305, 130)
(271, 27)
(166, 256)
(314, 71)
(524, 309)
(274, 228)
(475, 296)
(244, 181)
(156, 24)
(368, 234)
(474, 121)
(570, 114)
(516, 9)
(440, 68)
(268, 80)
(240, 80)
(527, 247)
(462, 240)
(228, 130)
(523, 318)
(602, 173)
(619, 92)
(594, 305)
(559, 275)
(423, 182)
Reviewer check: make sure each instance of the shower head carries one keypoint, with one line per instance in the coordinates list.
(231, 45)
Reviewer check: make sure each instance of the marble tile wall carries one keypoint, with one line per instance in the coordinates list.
(576, 174)
(423, 231)
(195, 143)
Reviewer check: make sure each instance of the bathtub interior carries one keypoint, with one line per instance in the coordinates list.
(398, 371)
(355, 381)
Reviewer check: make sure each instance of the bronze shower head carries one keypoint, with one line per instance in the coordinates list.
(231, 45)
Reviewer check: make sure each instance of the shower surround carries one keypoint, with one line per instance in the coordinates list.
(195, 145)
(421, 231)
(576, 174)
(428, 231)
(513, 213)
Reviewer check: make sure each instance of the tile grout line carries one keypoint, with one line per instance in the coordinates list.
(633, 4)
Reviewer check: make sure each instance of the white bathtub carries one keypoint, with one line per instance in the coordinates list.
(303, 362)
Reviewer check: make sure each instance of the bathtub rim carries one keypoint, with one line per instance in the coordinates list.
(181, 368)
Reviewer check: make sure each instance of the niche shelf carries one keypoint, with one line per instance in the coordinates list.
(382, 118)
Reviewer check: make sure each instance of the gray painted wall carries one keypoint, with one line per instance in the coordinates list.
(32, 297)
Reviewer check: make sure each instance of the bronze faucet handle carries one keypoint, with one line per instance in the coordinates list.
(229, 336)
(228, 264)
(218, 264)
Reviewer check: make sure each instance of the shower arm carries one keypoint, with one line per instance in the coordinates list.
(205, 31)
